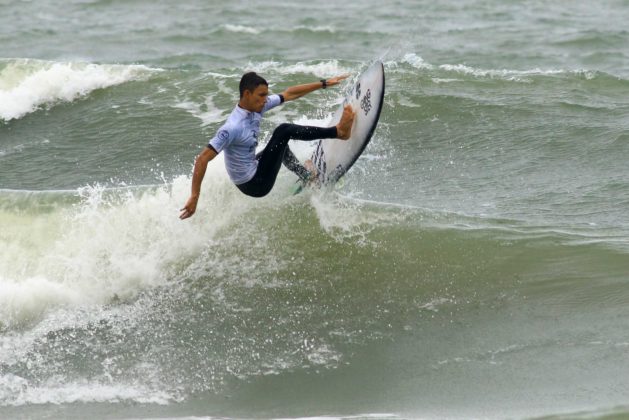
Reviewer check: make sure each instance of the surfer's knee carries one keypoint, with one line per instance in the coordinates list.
(282, 129)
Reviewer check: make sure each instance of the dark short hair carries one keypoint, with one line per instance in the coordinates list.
(250, 81)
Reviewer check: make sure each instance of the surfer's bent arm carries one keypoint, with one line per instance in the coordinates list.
(200, 166)
(298, 91)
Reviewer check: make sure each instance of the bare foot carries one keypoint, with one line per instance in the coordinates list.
(344, 127)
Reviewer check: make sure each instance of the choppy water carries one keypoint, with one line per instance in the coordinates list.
(474, 262)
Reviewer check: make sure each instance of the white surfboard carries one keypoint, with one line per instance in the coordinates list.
(332, 158)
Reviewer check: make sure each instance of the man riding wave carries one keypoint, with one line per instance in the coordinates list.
(255, 174)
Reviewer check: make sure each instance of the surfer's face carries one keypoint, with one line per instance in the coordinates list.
(254, 100)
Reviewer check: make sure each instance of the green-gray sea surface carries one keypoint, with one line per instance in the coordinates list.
(474, 263)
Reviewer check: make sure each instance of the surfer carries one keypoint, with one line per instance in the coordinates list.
(253, 174)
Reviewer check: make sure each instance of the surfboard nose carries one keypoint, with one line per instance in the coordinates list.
(336, 156)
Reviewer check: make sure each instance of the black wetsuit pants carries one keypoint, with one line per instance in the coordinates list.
(277, 151)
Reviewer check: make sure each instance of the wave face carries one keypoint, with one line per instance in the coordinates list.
(472, 264)
(107, 298)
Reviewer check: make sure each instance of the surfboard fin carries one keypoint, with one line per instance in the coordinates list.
(298, 188)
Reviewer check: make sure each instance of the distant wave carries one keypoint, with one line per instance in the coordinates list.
(240, 29)
(323, 68)
(419, 63)
(444, 73)
(243, 29)
(26, 85)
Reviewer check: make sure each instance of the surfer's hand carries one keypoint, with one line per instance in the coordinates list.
(189, 208)
(336, 80)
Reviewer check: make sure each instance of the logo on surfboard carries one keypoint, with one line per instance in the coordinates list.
(365, 104)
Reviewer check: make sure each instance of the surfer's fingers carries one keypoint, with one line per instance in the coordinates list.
(185, 213)
(337, 79)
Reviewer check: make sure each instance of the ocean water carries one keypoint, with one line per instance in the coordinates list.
(474, 263)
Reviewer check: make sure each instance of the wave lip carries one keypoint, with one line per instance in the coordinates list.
(26, 84)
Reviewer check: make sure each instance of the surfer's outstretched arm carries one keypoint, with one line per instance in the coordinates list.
(298, 91)
(200, 166)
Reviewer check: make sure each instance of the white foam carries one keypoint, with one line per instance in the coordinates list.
(26, 85)
(344, 218)
(419, 63)
(31, 297)
(438, 81)
(112, 244)
(434, 304)
(323, 355)
(211, 115)
(254, 31)
(321, 69)
(328, 29)
(16, 391)
(240, 29)
(508, 74)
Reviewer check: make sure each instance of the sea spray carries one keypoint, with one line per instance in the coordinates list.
(111, 243)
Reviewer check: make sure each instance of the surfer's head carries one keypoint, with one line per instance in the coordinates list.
(253, 92)
(250, 81)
